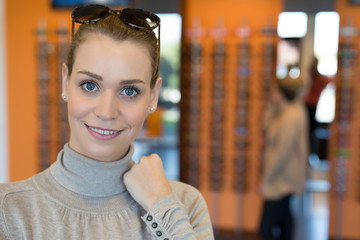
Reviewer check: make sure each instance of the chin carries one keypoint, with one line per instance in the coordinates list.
(105, 151)
(102, 156)
(106, 154)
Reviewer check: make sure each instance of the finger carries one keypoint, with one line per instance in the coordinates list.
(154, 156)
(142, 159)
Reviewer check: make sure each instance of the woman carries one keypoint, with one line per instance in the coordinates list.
(94, 190)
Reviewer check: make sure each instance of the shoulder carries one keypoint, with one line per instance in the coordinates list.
(15, 193)
(186, 193)
(23, 186)
(19, 191)
(183, 188)
(295, 112)
(16, 201)
(16, 187)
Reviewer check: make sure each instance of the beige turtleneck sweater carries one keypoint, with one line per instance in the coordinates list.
(79, 198)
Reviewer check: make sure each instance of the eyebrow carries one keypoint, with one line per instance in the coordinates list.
(98, 77)
(90, 74)
(132, 81)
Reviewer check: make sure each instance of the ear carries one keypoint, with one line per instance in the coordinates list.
(155, 93)
(65, 80)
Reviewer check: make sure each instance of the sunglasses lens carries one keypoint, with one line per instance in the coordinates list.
(140, 18)
(90, 13)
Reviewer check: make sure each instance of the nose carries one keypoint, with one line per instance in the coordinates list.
(107, 106)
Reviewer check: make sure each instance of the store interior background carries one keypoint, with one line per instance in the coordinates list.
(331, 203)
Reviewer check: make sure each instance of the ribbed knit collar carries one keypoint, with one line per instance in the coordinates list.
(89, 177)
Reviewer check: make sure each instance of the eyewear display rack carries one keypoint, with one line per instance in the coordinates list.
(43, 86)
(190, 120)
(63, 45)
(217, 100)
(269, 59)
(241, 120)
(243, 78)
(52, 44)
(344, 150)
(233, 77)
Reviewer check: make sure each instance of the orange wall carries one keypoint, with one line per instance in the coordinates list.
(22, 17)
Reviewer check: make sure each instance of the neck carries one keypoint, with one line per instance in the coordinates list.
(89, 177)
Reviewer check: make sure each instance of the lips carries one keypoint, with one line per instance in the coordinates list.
(103, 134)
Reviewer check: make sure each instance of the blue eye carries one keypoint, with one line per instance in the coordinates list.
(130, 92)
(90, 86)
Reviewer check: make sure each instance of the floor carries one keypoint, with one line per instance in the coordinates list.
(313, 218)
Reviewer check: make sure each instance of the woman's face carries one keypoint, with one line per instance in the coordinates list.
(109, 96)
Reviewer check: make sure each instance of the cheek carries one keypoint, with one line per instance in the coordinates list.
(77, 108)
(136, 116)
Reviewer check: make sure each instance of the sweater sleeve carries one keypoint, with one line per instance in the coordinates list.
(178, 216)
(4, 233)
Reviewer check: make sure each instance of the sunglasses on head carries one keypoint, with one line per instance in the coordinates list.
(135, 18)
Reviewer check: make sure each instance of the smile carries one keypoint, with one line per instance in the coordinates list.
(103, 134)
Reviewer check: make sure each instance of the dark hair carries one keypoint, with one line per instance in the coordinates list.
(290, 88)
(289, 94)
(116, 29)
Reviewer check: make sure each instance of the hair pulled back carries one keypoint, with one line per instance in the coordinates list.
(290, 87)
(113, 27)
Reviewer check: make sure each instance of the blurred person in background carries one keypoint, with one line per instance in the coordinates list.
(285, 158)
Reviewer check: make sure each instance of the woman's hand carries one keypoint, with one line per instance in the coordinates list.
(146, 181)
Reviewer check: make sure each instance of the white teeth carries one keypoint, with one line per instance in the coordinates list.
(103, 132)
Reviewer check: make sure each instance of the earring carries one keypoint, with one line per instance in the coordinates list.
(64, 97)
(152, 109)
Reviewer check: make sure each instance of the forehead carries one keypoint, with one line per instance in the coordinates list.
(125, 59)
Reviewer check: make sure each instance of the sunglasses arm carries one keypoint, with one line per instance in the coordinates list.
(72, 28)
